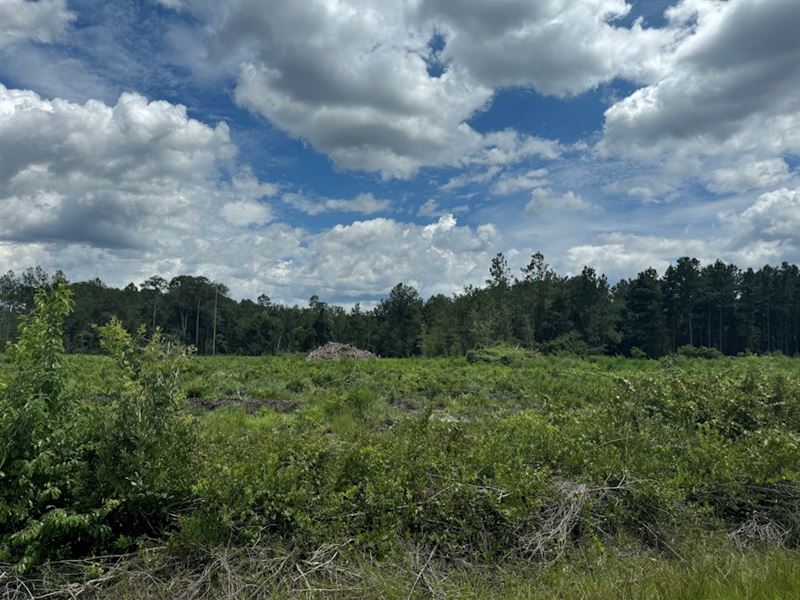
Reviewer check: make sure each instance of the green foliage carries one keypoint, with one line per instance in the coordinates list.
(699, 352)
(39, 456)
(567, 344)
(472, 458)
(555, 457)
(713, 306)
(74, 474)
(143, 442)
(503, 355)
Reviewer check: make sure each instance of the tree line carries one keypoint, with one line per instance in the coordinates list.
(716, 306)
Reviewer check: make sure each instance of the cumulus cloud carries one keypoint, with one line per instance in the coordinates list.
(127, 187)
(371, 256)
(352, 262)
(620, 254)
(774, 215)
(365, 204)
(43, 21)
(731, 85)
(139, 187)
(764, 231)
(115, 176)
(359, 261)
(353, 80)
(248, 185)
(558, 47)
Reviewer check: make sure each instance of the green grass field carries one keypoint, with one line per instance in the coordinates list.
(531, 477)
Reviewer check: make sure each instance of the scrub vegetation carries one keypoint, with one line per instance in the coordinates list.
(152, 473)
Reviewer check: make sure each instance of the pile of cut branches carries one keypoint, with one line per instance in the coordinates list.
(337, 351)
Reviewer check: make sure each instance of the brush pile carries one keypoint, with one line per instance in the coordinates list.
(337, 351)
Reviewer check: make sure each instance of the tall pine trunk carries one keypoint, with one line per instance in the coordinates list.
(197, 327)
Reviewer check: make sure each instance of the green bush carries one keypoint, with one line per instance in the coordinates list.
(76, 476)
(503, 355)
(569, 344)
(42, 449)
(699, 352)
(142, 439)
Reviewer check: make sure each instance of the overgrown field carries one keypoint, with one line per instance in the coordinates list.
(503, 475)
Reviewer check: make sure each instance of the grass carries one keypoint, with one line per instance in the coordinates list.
(718, 573)
(728, 577)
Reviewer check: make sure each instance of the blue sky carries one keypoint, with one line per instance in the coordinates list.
(337, 148)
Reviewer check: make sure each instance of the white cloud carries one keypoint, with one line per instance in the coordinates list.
(651, 191)
(52, 74)
(730, 86)
(128, 187)
(371, 256)
(246, 212)
(43, 21)
(763, 232)
(557, 47)
(431, 208)
(177, 5)
(543, 199)
(428, 208)
(352, 79)
(359, 261)
(510, 183)
(465, 179)
(363, 203)
(125, 191)
(502, 150)
(774, 215)
(246, 184)
(129, 175)
(508, 147)
(749, 174)
(620, 254)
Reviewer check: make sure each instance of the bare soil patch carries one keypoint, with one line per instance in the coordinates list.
(406, 405)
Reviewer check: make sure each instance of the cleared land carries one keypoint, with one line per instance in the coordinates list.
(519, 477)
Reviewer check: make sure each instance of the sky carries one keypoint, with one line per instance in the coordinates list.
(339, 147)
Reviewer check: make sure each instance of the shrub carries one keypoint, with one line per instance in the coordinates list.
(699, 352)
(40, 452)
(76, 475)
(501, 354)
(567, 344)
(143, 440)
